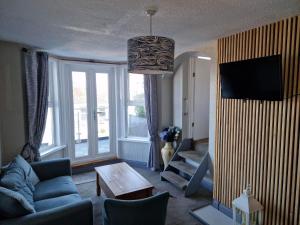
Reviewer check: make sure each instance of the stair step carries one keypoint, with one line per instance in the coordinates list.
(202, 147)
(184, 167)
(195, 156)
(175, 179)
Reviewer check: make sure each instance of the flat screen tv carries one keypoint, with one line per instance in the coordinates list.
(256, 79)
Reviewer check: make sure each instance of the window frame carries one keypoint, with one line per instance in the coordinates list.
(53, 103)
(65, 88)
(128, 102)
(59, 87)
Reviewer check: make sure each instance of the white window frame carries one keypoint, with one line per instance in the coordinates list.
(67, 105)
(60, 87)
(125, 102)
(53, 101)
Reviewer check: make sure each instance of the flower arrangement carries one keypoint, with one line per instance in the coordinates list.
(170, 134)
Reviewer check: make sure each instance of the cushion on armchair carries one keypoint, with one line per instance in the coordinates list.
(51, 203)
(29, 172)
(15, 179)
(13, 204)
(54, 187)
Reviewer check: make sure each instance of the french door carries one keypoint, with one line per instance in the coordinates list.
(91, 111)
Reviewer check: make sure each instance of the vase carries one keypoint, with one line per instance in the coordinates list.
(167, 152)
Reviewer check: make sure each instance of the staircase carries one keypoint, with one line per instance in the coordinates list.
(189, 166)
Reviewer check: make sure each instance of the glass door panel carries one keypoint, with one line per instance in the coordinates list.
(93, 115)
(79, 86)
(102, 111)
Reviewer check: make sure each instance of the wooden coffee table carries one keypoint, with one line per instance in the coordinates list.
(120, 181)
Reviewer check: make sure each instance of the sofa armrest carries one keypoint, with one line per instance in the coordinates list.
(52, 168)
(73, 214)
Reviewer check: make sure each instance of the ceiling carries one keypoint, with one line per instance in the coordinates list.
(99, 29)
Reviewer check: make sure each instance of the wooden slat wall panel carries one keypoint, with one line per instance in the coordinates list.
(257, 142)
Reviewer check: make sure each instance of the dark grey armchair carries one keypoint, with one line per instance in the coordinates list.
(148, 211)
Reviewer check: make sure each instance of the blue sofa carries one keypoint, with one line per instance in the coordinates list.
(56, 199)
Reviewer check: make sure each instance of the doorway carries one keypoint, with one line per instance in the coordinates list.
(91, 111)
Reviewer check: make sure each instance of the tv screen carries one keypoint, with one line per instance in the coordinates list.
(257, 79)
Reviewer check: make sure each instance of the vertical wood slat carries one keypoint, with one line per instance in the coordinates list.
(258, 142)
(277, 117)
(297, 133)
(256, 184)
(252, 151)
(283, 106)
(287, 124)
(289, 210)
(277, 47)
(232, 119)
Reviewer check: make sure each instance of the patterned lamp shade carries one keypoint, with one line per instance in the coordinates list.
(150, 55)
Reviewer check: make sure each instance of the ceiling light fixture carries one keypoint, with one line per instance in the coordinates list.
(150, 55)
(204, 57)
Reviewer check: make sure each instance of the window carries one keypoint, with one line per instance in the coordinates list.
(49, 139)
(136, 113)
(80, 109)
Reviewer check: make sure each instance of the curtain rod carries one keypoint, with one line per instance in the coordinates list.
(82, 60)
(87, 60)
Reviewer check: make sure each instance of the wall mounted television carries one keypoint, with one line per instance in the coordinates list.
(255, 79)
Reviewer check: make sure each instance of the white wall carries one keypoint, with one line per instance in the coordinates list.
(133, 150)
(178, 99)
(165, 103)
(12, 106)
(212, 107)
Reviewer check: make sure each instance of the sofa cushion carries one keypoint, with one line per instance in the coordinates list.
(15, 179)
(31, 175)
(54, 187)
(51, 203)
(13, 204)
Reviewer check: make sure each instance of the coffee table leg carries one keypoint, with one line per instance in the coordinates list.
(98, 185)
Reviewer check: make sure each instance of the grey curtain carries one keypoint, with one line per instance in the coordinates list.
(36, 84)
(151, 105)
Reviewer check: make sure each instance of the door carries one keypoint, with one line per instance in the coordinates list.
(199, 95)
(91, 112)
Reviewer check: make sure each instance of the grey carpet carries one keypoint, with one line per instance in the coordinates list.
(178, 206)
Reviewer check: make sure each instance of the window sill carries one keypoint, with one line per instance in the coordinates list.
(52, 150)
(138, 140)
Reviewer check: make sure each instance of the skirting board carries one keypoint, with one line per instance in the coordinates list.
(135, 163)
